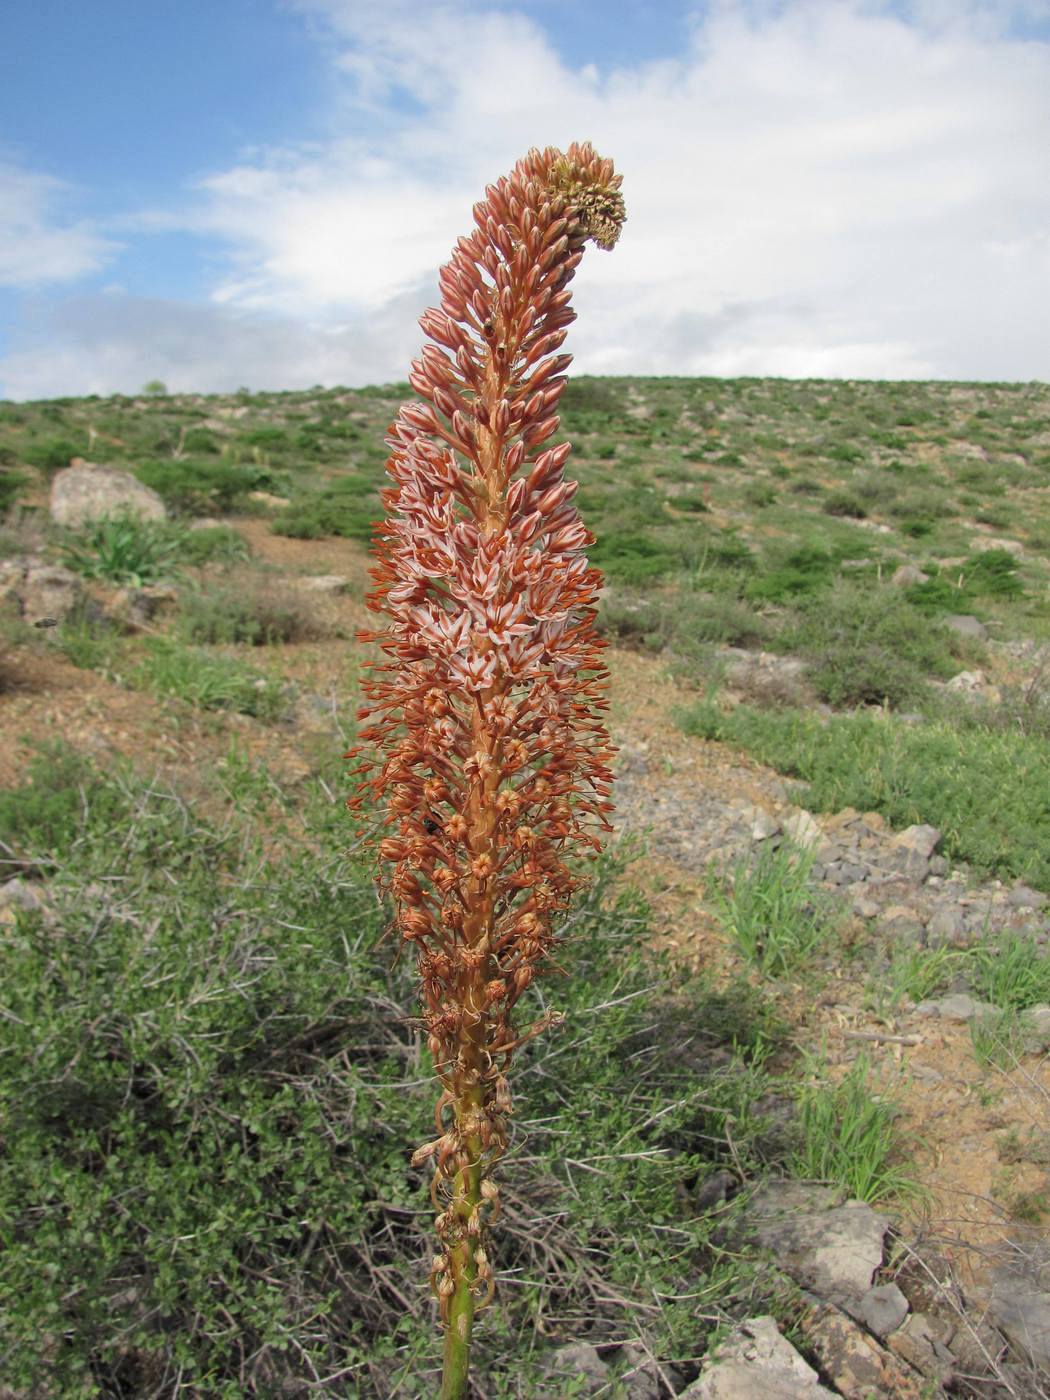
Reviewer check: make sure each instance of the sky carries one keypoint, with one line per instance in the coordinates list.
(228, 193)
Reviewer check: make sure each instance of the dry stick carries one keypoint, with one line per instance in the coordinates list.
(484, 739)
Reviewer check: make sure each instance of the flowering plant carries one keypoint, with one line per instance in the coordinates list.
(484, 744)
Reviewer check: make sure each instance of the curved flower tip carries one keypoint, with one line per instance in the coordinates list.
(591, 189)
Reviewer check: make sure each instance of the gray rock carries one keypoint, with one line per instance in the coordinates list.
(1021, 897)
(1023, 1316)
(1036, 1022)
(882, 1310)
(22, 894)
(832, 1250)
(947, 925)
(960, 1006)
(763, 826)
(922, 839)
(576, 1360)
(49, 591)
(907, 575)
(967, 682)
(865, 908)
(641, 1377)
(84, 491)
(965, 625)
(756, 1363)
(853, 1361)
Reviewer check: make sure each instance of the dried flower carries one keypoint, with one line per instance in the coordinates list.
(484, 739)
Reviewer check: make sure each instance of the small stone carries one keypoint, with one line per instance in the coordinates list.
(908, 575)
(960, 1006)
(763, 826)
(865, 908)
(854, 1362)
(22, 894)
(324, 583)
(576, 1360)
(1023, 1315)
(1021, 897)
(967, 682)
(946, 926)
(802, 828)
(1036, 1021)
(939, 865)
(50, 591)
(922, 839)
(1014, 547)
(965, 625)
(835, 1252)
(882, 1309)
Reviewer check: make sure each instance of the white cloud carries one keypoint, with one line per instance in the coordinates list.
(822, 187)
(875, 183)
(103, 343)
(36, 245)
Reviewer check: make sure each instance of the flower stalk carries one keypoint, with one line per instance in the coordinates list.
(484, 744)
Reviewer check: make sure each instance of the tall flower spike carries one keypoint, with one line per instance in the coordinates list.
(483, 743)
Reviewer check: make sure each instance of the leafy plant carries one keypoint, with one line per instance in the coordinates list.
(122, 549)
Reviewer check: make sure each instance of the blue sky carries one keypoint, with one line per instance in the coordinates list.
(261, 191)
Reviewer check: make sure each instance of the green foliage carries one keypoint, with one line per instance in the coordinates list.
(52, 453)
(211, 1093)
(998, 1039)
(846, 1135)
(348, 507)
(988, 792)
(1012, 973)
(11, 486)
(633, 558)
(210, 681)
(215, 544)
(769, 908)
(992, 573)
(205, 487)
(802, 569)
(865, 644)
(155, 388)
(123, 549)
(63, 793)
(265, 614)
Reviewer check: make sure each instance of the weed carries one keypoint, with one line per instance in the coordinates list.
(209, 681)
(1012, 973)
(771, 911)
(998, 1039)
(846, 1135)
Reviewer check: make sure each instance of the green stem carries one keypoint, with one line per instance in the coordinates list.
(461, 1303)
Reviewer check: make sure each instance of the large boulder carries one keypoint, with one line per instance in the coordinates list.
(85, 492)
(49, 593)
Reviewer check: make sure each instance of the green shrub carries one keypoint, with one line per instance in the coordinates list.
(52, 454)
(801, 570)
(205, 487)
(263, 614)
(11, 486)
(63, 792)
(771, 911)
(846, 1135)
(208, 1112)
(868, 645)
(844, 503)
(632, 558)
(216, 544)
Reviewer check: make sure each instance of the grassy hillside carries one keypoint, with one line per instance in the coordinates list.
(212, 1078)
